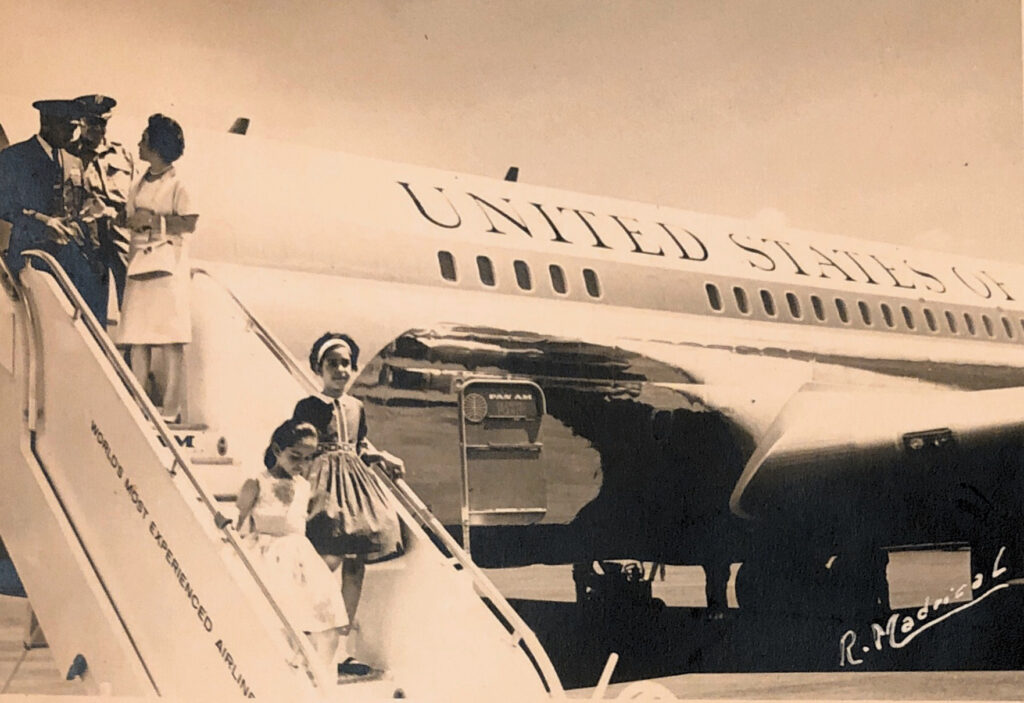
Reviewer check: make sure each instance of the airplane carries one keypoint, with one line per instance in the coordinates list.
(715, 390)
(692, 389)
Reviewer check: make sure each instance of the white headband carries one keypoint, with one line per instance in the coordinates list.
(329, 345)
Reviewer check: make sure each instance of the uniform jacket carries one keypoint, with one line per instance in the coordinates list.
(30, 179)
(109, 176)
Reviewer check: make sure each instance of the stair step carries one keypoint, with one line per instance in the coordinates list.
(213, 460)
(396, 563)
(188, 427)
(374, 675)
(220, 477)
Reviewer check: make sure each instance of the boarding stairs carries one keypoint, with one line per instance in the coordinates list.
(120, 526)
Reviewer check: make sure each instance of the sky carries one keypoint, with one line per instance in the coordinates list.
(895, 120)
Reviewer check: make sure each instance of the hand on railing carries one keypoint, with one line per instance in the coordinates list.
(392, 465)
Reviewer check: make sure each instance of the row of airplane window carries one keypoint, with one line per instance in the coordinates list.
(889, 317)
(524, 277)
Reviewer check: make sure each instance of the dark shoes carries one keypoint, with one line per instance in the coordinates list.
(354, 667)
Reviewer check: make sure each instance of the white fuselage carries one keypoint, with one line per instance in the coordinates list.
(742, 314)
(314, 239)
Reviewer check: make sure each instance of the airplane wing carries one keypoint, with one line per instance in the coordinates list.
(828, 444)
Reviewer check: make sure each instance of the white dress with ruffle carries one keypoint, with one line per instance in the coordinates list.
(296, 576)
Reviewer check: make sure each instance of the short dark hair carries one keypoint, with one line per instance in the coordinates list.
(165, 137)
(314, 352)
(286, 435)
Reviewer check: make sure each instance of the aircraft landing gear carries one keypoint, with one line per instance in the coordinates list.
(607, 591)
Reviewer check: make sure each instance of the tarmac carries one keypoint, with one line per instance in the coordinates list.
(975, 653)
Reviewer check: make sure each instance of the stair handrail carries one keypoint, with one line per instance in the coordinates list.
(516, 626)
(30, 413)
(283, 356)
(7, 281)
(138, 394)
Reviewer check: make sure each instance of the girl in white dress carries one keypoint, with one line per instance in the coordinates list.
(155, 312)
(272, 512)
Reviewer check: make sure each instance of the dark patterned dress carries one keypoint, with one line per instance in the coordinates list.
(353, 513)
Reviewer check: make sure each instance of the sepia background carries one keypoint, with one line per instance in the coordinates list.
(897, 120)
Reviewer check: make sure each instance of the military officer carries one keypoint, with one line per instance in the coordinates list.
(109, 171)
(42, 195)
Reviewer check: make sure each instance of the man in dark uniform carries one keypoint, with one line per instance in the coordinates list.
(42, 195)
(109, 172)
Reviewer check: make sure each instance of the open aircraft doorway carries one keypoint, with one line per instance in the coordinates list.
(499, 437)
(634, 464)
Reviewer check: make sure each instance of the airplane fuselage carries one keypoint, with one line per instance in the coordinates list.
(621, 311)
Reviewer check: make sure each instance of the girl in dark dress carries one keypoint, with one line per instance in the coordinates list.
(366, 526)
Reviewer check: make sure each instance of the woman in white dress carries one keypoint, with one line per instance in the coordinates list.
(155, 312)
(272, 509)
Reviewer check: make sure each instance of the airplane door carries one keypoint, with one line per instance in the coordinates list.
(503, 480)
